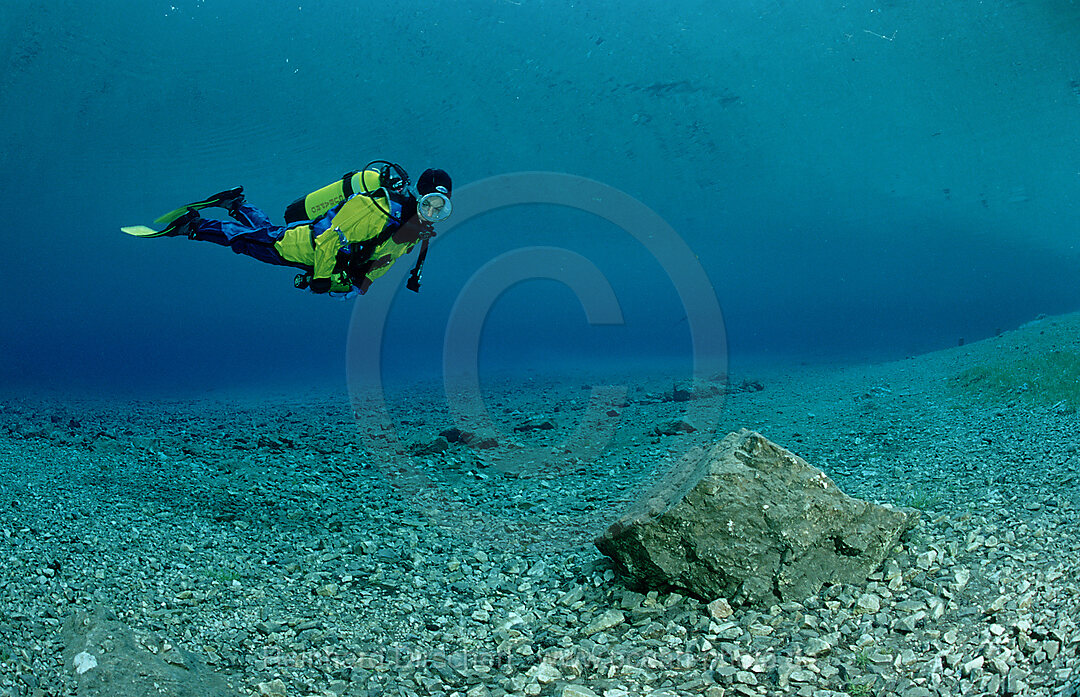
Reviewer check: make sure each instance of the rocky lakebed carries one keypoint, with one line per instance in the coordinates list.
(305, 544)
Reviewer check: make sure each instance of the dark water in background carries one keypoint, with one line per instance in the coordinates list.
(864, 181)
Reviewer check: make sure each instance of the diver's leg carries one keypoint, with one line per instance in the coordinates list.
(261, 250)
(215, 231)
(250, 219)
(256, 240)
(251, 216)
(254, 225)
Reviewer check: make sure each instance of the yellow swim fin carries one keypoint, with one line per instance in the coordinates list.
(183, 225)
(142, 231)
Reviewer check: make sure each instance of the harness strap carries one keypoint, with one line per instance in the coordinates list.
(346, 183)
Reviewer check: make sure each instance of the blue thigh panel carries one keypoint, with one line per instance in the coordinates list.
(255, 239)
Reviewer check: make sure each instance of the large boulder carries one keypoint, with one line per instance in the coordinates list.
(751, 522)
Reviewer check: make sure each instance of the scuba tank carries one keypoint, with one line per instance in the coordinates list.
(321, 200)
(388, 175)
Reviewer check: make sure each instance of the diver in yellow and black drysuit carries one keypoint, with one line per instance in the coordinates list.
(343, 236)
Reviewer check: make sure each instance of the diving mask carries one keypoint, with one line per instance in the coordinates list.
(434, 207)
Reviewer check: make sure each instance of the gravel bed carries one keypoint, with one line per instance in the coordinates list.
(301, 549)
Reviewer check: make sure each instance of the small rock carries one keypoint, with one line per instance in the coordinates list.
(909, 606)
(479, 442)
(801, 675)
(673, 427)
(535, 425)
(747, 678)
(973, 666)
(679, 394)
(611, 618)
(758, 629)
(84, 662)
(545, 673)
(455, 435)
(868, 602)
(174, 657)
(1014, 681)
(572, 596)
(918, 691)
(719, 609)
(907, 625)
(439, 445)
(925, 560)
(274, 688)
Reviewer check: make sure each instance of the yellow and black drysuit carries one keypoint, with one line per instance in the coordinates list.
(356, 241)
(353, 242)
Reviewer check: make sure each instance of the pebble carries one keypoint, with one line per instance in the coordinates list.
(545, 673)
(802, 675)
(274, 688)
(719, 609)
(577, 691)
(868, 602)
(609, 619)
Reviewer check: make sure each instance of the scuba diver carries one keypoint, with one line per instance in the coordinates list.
(342, 236)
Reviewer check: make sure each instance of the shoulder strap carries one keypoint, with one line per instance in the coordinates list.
(346, 183)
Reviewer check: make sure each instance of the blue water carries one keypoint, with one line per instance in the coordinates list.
(865, 181)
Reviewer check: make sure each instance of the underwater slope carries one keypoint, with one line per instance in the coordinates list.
(286, 539)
